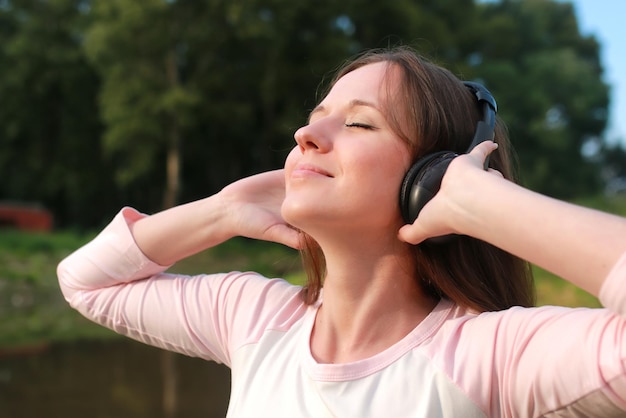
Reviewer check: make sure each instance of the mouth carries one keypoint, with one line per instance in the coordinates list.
(302, 170)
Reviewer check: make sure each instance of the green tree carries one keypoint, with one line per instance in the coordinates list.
(179, 97)
(258, 68)
(548, 81)
(613, 159)
(49, 124)
(217, 84)
(437, 28)
(138, 50)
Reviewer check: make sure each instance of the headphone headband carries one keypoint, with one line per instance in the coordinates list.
(482, 94)
(485, 129)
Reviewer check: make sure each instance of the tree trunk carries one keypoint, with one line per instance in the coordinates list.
(173, 158)
(170, 199)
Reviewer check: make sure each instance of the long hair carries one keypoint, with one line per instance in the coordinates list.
(433, 111)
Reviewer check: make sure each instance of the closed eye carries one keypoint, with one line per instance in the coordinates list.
(359, 125)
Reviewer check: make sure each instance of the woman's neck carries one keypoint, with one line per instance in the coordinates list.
(371, 301)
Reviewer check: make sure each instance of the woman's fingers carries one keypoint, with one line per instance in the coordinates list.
(483, 150)
(412, 233)
(284, 234)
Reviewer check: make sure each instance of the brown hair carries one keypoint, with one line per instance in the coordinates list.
(434, 111)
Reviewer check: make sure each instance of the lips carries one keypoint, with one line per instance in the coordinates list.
(309, 169)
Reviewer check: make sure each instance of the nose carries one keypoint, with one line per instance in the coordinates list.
(310, 137)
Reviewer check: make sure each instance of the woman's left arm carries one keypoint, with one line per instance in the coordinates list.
(579, 244)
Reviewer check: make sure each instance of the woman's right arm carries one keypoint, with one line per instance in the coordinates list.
(117, 279)
(249, 207)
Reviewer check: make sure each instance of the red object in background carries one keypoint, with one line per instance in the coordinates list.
(25, 217)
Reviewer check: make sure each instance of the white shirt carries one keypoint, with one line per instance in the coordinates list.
(539, 362)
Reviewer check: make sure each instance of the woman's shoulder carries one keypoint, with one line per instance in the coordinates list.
(522, 318)
(511, 330)
(514, 352)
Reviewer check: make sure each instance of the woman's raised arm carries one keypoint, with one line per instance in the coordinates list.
(576, 243)
(249, 207)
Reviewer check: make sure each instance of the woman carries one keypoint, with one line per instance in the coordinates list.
(403, 327)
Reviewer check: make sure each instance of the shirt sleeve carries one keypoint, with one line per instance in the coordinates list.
(111, 282)
(546, 361)
(613, 291)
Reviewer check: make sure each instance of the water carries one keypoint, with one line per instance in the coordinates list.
(111, 379)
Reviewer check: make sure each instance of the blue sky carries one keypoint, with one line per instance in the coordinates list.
(605, 20)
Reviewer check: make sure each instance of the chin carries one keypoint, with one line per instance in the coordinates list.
(302, 214)
(295, 213)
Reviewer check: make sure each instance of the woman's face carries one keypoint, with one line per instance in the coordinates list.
(348, 164)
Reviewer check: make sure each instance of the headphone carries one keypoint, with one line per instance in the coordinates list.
(423, 179)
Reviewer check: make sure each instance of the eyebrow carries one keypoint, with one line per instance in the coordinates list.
(353, 103)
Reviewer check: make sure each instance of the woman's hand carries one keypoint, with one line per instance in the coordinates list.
(254, 205)
(444, 214)
(249, 207)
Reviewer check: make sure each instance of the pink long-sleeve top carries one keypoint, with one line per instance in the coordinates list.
(540, 362)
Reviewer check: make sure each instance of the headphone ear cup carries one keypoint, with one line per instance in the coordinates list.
(422, 182)
(408, 185)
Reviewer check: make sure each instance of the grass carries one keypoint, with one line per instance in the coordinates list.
(32, 310)
(269, 259)
(552, 290)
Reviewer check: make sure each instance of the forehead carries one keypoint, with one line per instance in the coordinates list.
(371, 82)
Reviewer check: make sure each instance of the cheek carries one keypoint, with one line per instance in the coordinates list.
(292, 207)
(385, 171)
(384, 179)
(291, 159)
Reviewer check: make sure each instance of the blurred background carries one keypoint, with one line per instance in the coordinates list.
(106, 103)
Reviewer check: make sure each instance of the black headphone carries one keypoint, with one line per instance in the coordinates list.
(423, 179)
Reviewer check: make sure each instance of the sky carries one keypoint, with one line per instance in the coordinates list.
(605, 20)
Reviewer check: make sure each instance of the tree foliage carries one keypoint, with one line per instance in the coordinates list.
(548, 78)
(49, 124)
(147, 103)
